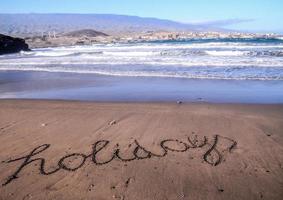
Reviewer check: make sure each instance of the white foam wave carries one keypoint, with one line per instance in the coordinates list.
(227, 53)
(26, 52)
(53, 53)
(192, 60)
(257, 63)
(149, 74)
(131, 53)
(145, 46)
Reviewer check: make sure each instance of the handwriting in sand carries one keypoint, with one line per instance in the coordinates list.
(212, 155)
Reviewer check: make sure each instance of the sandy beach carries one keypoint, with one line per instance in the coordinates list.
(141, 100)
(88, 150)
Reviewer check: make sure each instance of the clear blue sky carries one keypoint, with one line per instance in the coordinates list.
(256, 15)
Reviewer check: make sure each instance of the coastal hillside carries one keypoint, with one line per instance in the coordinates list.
(78, 37)
(85, 33)
(37, 24)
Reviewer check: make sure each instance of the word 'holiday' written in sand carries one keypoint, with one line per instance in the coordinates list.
(214, 149)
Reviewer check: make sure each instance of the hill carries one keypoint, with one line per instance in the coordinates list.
(37, 24)
(85, 33)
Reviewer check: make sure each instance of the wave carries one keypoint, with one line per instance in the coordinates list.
(225, 59)
(223, 40)
(161, 46)
(236, 73)
(66, 53)
(245, 53)
(169, 62)
(165, 52)
(227, 53)
(132, 53)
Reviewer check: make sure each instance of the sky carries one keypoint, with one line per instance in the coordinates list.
(244, 15)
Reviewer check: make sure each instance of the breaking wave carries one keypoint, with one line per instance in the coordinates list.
(219, 59)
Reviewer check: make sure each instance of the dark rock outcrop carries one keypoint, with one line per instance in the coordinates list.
(12, 45)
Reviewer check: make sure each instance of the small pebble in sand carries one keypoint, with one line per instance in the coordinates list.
(129, 180)
(28, 196)
(112, 122)
(43, 124)
(90, 187)
(220, 190)
(118, 197)
(261, 195)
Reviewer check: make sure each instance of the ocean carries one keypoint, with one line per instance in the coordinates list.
(236, 59)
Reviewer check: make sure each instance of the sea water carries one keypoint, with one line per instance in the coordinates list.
(229, 58)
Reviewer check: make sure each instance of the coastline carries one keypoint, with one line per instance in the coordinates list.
(141, 100)
(244, 163)
(72, 135)
(103, 88)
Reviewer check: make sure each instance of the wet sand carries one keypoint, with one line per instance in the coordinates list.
(88, 150)
(93, 87)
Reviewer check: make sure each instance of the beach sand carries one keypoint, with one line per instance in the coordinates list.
(68, 150)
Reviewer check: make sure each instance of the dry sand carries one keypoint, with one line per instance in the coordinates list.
(68, 150)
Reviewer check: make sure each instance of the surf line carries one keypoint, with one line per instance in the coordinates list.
(212, 155)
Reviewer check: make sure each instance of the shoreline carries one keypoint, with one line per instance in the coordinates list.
(196, 103)
(93, 87)
(190, 150)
